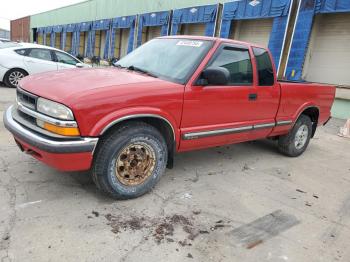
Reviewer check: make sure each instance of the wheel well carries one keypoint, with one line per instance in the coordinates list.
(313, 113)
(14, 69)
(17, 69)
(161, 125)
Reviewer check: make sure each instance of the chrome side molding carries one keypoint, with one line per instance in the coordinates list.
(284, 123)
(227, 131)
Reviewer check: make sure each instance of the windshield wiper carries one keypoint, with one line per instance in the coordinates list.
(118, 66)
(143, 71)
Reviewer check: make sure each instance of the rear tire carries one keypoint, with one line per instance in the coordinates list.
(13, 76)
(297, 140)
(130, 160)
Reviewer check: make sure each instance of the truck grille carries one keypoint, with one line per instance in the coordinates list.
(26, 99)
(26, 117)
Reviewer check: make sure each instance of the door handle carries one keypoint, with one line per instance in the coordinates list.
(253, 97)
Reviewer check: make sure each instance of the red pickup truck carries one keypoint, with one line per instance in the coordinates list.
(173, 94)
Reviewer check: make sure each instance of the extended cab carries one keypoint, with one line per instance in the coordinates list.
(172, 94)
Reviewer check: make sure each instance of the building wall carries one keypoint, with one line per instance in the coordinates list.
(4, 34)
(20, 29)
(100, 9)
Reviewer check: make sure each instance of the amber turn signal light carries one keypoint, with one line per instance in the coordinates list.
(59, 130)
(64, 131)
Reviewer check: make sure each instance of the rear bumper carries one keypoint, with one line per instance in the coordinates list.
(65, 155)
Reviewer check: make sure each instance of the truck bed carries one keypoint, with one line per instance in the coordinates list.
(296, 96)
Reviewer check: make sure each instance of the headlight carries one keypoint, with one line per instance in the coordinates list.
(54, 109)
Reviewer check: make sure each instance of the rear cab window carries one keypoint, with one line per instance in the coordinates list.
(264, 65)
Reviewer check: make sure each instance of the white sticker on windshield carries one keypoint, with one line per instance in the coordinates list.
(190, 43)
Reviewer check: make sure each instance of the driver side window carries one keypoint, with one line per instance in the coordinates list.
(237, 62)
(65, 59)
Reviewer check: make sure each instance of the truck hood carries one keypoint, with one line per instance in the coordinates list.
(64, 85)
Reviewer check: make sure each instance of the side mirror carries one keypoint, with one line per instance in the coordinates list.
(79, 65)
(216, 76)
(114, 62)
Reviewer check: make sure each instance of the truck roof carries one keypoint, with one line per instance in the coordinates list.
(209, 38)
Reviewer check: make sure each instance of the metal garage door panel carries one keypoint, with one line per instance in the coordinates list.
(193, 29)
(48, 37)
(124, 42)
(58, 41)
(328, 56)
(82, 43)
(103, 43)
(117, 43)
(40, 39)
(256, 31)
(97, 43)
(68, 46)
(153, 32)
(86, 40)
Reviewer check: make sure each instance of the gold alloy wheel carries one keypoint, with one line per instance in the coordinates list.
(135, 163)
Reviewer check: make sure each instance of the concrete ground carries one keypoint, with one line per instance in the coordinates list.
(242, 202)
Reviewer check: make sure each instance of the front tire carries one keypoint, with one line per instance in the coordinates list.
(297, 140)
(130, 161)
(13, 76)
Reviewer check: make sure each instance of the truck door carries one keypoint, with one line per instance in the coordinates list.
(267, 91)
(217, 115)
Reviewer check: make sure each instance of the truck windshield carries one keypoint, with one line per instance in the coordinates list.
(172, 59)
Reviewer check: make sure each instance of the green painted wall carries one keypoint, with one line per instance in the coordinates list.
(99, 9)
(341, 109)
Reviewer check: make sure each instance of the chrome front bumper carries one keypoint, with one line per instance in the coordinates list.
(47, 144)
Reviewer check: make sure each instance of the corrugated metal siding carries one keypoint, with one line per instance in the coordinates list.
(100, 9)
(4, 34)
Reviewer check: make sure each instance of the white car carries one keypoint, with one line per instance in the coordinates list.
(4, 40)
(18, 60)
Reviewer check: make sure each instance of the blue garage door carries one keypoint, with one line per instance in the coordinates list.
(304, 26)
(122, 36)
(273, 16)
(152, 25)
(205, 15)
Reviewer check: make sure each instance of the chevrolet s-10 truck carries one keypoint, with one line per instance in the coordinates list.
(172, 94)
